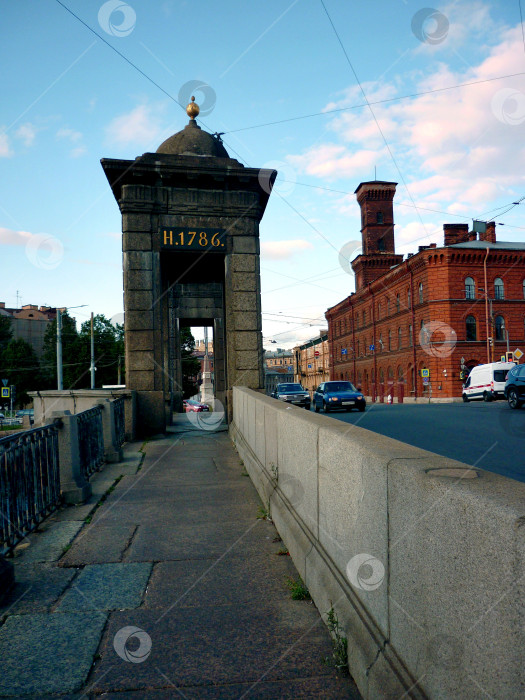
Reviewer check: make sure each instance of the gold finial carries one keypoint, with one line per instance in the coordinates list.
(192, 109)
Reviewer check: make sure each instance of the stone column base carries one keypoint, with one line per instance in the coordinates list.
(73, 494)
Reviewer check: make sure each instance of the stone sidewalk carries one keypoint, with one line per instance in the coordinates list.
(165, 585)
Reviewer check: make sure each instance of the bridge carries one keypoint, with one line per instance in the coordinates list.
(150, 553)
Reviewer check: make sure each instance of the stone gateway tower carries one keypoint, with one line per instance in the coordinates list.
(190, 223)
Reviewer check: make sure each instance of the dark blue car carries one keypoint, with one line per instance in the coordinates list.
(343, 395)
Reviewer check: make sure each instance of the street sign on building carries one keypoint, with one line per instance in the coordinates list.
(518, 354)
(316, 353)
(425, 373)
(6, 392)
(309, 366)
(372, 348)
(426, 381)
(344, 351)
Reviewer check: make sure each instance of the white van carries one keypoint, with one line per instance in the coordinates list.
(487, 381)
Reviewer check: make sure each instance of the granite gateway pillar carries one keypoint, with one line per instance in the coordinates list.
(190, 223)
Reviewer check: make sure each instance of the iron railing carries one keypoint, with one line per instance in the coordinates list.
(90, 440)
(29, 483)
(120, 426)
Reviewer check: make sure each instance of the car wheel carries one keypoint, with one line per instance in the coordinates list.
(487, 397)
(362, 408)
(465, 398)
(316, 408)
(513, 400)
(307, 406)
(325, 407)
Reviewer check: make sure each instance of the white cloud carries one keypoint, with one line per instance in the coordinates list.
(283, 250)
(5, 149)
(27, 132)
(10, 237)
(77, 152)
(459, 148)
(140, 126)
(69, 134)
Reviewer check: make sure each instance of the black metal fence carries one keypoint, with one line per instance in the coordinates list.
(29, 482)
(90, 440)
(120, 425)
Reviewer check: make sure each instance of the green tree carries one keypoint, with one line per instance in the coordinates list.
(73, 371)
(108, 346)
(20, 365)
(6, 332)
(190, 364)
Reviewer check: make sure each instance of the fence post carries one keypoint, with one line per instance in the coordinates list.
(73, 485)
(112, 450)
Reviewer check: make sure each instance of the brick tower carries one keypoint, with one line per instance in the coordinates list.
(377, 231)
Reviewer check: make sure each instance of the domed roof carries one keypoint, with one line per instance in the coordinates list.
(193, 141)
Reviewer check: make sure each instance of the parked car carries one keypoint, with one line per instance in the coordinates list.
(25, 412)
(487, 382)
(2, 416)
(331, 395)
(514, 390)
(194, 406)
(292, 393)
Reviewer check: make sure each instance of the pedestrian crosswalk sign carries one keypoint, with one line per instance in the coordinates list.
(6, 392)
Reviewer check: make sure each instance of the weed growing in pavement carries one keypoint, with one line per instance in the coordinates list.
(263, 513)
(66, 548)
(283, 552)
(339, 658)
(298, 589)
(275, 471)
(89, 518)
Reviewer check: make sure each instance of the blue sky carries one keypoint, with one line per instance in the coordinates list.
(69, 100)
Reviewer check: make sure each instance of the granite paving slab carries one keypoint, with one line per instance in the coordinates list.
(99, 543)
(50, 543)
(37, 588)
(41, 654)
(234, 579)
(326, 688)
(209, 646)
(163, 542)
(107, 587)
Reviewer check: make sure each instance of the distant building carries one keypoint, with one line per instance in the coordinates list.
(272, 377)
(312, 362)
(30, 323)
(417, 326)
(278, 358)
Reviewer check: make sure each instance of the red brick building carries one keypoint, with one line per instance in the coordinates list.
(463, 301)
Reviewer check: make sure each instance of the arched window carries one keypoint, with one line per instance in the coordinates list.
(399, 337)
(380, 218)
(499, 289)
(380, 342)
(420, 289)
(470, 288)
(499, 325)
(409, 298)
(358, 353)
(400, 375)
(381, 244)
(398, 302)
(524, 289)
(388, 302)
(364, 317)
(378, 309)
(410, 336)
(390, 340)
(381, 376)
(470, 324)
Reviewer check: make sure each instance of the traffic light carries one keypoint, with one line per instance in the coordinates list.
(509, 356)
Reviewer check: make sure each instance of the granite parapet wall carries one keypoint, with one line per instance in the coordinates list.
(422, 557)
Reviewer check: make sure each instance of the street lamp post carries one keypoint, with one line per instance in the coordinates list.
(60, 382)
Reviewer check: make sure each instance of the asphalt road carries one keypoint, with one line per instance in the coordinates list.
(490, 436)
